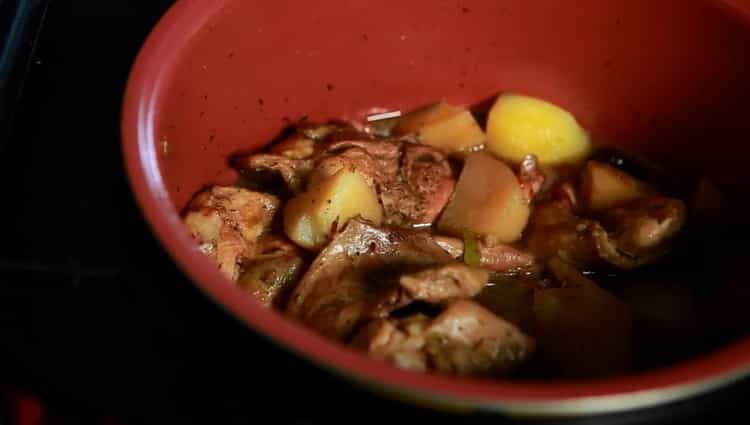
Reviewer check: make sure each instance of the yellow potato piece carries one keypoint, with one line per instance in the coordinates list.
(309, 218)
(443, 126)
(488, 201)
(604, 187)
(520, 125)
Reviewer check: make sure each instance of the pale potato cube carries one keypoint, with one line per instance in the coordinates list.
(604, 187)
(412, 121)
(488, 201)
(309, 218)
(443, 126)
(520, 125)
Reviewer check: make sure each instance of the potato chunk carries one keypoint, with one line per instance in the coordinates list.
(310, 217)
(521, 125)
(604, 187)
(443, 126)
(488, 200)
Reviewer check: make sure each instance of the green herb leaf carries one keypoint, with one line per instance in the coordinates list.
(471, 250)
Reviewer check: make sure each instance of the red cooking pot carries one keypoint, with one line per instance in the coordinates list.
(668, 78)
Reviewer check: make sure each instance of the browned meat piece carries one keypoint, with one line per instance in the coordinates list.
(430, 179)
(294, 172)
(385, 151)
(294, 147)
(332, 131)
(574, 242)
(530, 177)
(355, 159)
(628, 237)
(496, 257)
(356, 277)
(555, 231)
(276, 267)
(437, 285)
(642, 232)
(414, 182)
(227, 223)
(318, 132)
(465, 339)
(377, 162)
(292, 158)
(400, 342)
(421, 190)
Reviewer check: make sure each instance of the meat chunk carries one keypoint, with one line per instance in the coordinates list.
(627, 237)
(294, 158)
(356, 277)
(293, 171)
(385, 151)
(228, 221)
(413, 182)
(430, 180)
(555, 231)
(438, 285)
(296, 146)
(642, 232)
(574, 241)
(422, 188)
(400, 342)
(377, 162)
(272, 272)
(465, 339)
(333, 130)
(496, 257)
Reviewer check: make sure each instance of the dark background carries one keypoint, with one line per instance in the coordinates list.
(96, 319)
